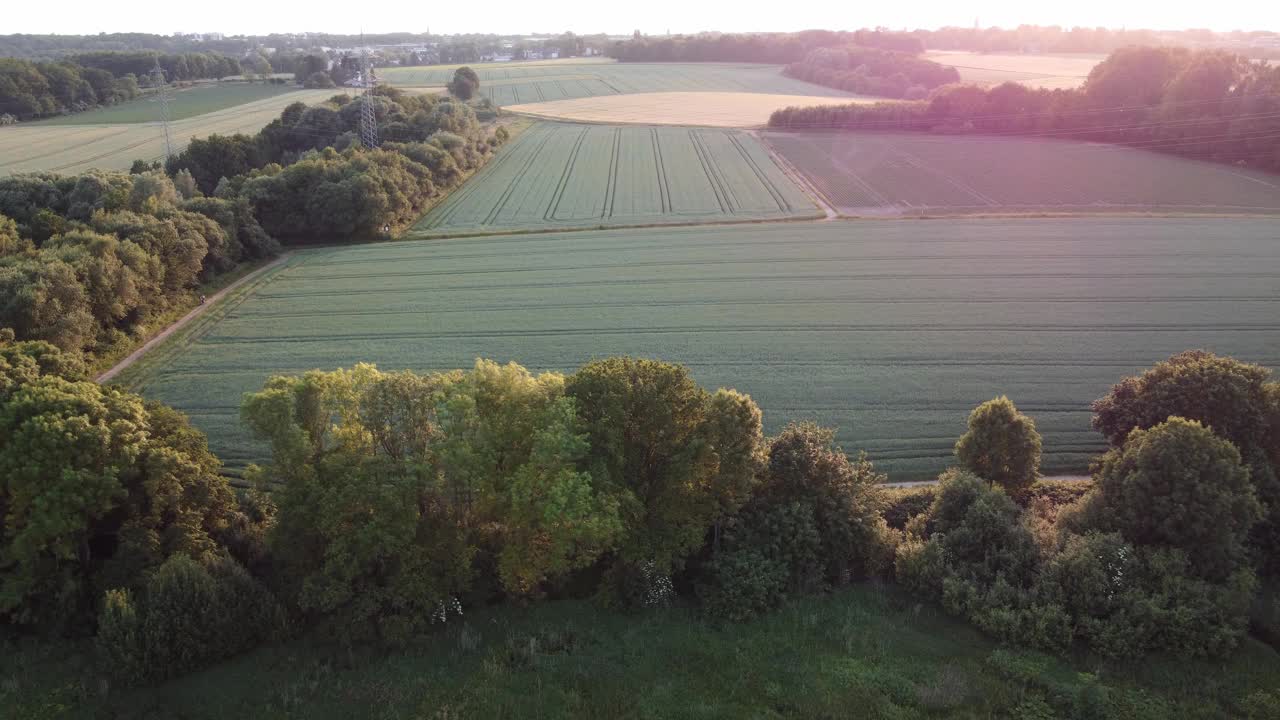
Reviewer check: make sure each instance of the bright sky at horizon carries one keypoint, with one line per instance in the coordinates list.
(593, 16)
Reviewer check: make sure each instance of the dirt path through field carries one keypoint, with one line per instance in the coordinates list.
(195, 313)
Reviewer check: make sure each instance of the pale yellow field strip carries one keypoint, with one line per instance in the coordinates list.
(704, 109)
(1044, 71)
(75, 148)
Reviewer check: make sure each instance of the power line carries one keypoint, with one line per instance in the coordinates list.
(157, 78)
(368, 116)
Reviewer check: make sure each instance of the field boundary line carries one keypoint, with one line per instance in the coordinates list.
(196, 312)
(801, 180)
(448, 205)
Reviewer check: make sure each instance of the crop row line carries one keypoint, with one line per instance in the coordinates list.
(611, 190)
(712, 173)
(664, 190)
(778, 198)
(554, 206)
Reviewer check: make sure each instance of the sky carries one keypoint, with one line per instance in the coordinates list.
(614, 17)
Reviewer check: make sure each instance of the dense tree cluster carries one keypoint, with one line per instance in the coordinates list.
(88, 260)
(1054, 39)
(1204, 104)
(180, 66)
(305, 176)
(776, 48)
(402, 118)
(31, 90)
(872, 71)
(97, 488)
(397, 499)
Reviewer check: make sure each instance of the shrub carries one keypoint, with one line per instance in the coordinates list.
(1179, 485)
(1229, 397)
(902, 504)
(119, 639)
(191, 616)
(742, 584)
(845, 499)
(1001, 446)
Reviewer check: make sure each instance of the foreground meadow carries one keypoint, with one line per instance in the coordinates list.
(877, 174)
(890, 331)
(866, 652)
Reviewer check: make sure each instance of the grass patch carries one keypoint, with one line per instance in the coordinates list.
(183, 103)
(867, 652)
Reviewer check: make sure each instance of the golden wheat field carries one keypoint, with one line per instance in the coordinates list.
(705, 109)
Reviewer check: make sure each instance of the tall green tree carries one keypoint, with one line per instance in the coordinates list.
(1237, 401)
(97, 487)
(659, 443)
(1002, 445)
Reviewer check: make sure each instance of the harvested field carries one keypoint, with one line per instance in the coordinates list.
(876, 174)
(890, 331)
(523, 83)
(75, 148)
(560, 176)
(707, 109)
(1042, 71)
(183, 103)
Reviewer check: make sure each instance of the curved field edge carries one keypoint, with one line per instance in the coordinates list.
(134, 378)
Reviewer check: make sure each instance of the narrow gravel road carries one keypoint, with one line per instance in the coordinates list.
(195, 313)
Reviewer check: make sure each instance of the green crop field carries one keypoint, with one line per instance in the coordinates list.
(184, 103)
(558, 176)
(867, 173)
(520, 83)
(889, 330)
(75, 148)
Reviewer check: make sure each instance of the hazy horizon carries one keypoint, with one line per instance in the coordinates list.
(237, 17)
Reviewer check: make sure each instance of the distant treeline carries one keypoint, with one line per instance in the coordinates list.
(1054, 39)
(29, 90)
(40, 89)
(1206, 104)
(182, 66)
(776, 48)
(872, 71)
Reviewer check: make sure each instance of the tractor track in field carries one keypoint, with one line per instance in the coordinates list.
(196, 312)
(800, 179)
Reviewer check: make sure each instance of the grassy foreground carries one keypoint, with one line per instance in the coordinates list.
(867, 652)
